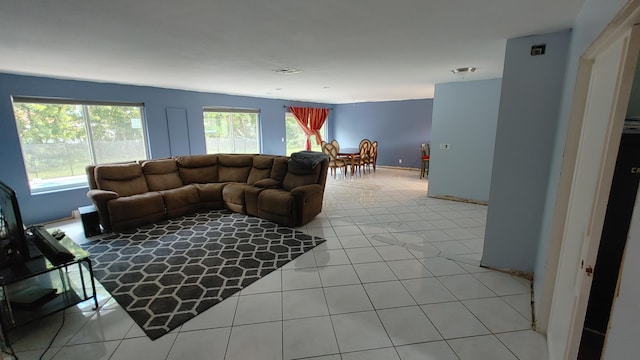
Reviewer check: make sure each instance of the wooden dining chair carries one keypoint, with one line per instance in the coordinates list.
(373, 156)
(346, 159)
(334, 161)
(364, 141)
(426, 154)
(335, 143)
(360, 160)
(364, 160)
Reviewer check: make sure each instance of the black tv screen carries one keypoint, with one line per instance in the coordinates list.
(13, 243)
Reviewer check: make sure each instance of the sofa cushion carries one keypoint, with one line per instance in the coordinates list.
(278, 206)
(261, 168)
(233, 195)
(251, 200)
(198, 169)
(137, 210)
(123, 179)
(181, 201)
(91, 175)
(234, 168)
(210, 192)
(279, 169)
(268, 184)
(161, 174)
(136, 206)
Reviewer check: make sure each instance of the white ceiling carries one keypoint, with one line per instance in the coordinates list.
(348, 50)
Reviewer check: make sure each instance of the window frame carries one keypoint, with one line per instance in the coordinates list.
(234, 110)
(85, 104)
(324, 134)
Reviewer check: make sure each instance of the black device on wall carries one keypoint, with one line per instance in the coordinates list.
(14, 248)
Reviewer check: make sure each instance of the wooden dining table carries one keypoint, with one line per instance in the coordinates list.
(351, 153)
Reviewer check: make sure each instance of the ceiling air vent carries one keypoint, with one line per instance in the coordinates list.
(288, 71)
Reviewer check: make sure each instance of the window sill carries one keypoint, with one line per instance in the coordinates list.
(57, 189)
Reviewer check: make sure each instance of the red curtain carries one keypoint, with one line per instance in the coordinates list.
(310, 120)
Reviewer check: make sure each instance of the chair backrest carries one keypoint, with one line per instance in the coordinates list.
(363, 141)
(364, 148)
(426, 150)
(335, 144)
(373, 149)
(331, 151)
(323, 147)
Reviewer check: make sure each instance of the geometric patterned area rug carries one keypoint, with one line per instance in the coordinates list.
(167, 273)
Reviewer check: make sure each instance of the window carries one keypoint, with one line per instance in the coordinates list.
(231, 130)
(59, 138)
(296, 137)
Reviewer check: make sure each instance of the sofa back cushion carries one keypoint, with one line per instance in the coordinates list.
(91, 174)
(123, 179)
(279, 169)
(261, 168)
(234, 168)
(198, 169)
(161, 174)
(296, 176)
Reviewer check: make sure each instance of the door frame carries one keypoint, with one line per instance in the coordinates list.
(564, 337)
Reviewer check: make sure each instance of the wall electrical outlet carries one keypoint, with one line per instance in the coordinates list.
(399, 161)
(445, 146)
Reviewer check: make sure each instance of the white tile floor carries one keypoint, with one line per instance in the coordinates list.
(398, 278)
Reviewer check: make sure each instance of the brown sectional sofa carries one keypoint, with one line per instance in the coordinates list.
(275, 188)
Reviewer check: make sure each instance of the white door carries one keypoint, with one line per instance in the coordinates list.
(605, 107)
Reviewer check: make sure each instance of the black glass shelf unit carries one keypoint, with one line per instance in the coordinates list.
(37, 288)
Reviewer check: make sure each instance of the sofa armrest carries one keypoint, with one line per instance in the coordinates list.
(98, 196)
(306, 191)
(268, 184)
(308, 200)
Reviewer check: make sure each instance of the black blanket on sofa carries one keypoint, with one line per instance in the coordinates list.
(307, 159)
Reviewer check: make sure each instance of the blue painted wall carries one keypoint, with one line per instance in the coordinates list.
(56, 205)
(398, 126)
(465, 115)
(527, 121)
